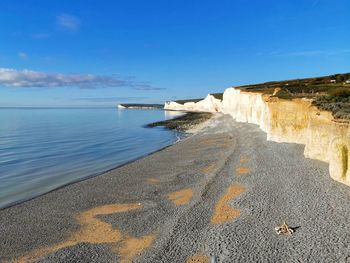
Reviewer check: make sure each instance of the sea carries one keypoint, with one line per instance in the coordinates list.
(42, 149)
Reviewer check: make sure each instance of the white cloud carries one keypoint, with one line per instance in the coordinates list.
(68, 22)
(28, 78)
(22, 55)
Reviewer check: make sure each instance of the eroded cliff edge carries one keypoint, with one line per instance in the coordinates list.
(291, 121)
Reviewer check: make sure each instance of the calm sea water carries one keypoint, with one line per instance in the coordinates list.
(42, 149)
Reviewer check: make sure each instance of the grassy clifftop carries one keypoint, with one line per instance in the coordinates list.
(216, 95)
(302, 87)
(330, 93)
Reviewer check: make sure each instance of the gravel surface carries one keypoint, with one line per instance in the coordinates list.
(184, 122)
(280, 185)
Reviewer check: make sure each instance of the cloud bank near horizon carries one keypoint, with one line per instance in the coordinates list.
(30, 79)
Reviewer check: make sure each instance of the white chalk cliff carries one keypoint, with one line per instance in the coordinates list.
(209, 104)
(292, 121)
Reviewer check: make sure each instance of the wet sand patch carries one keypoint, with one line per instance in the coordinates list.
(181, 197)
(208, 169)
(243, 159)
(132, 247)
(198, 259)
(96, 231)
(152, 181)
(242, 170)
(223, 212)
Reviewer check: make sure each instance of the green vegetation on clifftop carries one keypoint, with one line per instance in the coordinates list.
(330, 93)
(216, 95)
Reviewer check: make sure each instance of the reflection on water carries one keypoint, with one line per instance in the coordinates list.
(42, 149)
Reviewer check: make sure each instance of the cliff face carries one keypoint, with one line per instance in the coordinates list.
(292, 121)
(246, 107)
(209, 104)
(295, 121)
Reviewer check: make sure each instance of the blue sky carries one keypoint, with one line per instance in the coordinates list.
(99, 53)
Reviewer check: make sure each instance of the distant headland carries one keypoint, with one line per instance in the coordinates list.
(140, 106)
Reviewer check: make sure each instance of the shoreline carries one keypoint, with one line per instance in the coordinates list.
(87, 178)
(185, 133)
(189, 120)
(216, 191)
